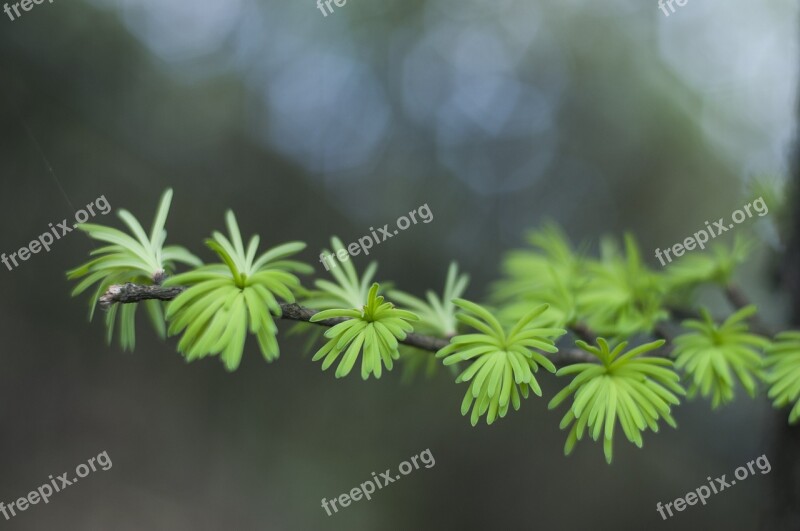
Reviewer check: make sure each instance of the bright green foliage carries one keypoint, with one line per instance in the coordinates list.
(616, 296)
(549, 272)
(715, 264)
(627, 388)
(228, 299)
(139, 258)
(374, 331)
(622, 295)
(502, 363)
(783, 363)
(437, 317)
(714, 353)
(438, 314)
(349, 291)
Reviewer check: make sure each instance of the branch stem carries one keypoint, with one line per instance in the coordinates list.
(739, 300)
(132, 293)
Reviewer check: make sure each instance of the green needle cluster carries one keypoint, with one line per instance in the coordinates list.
(501, 364)
(373, 331)
(624, 388)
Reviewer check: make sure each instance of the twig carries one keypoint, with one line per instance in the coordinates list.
(662, 331)
(679, 314)
(132, 293)
(739, 300)
(584, 332)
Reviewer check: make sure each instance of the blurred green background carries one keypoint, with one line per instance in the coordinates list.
(603, 117)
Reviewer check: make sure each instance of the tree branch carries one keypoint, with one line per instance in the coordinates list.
(739, 300)
(132, 293)
(584, 332)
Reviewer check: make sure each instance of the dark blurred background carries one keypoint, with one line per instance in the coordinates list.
(603, 117)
